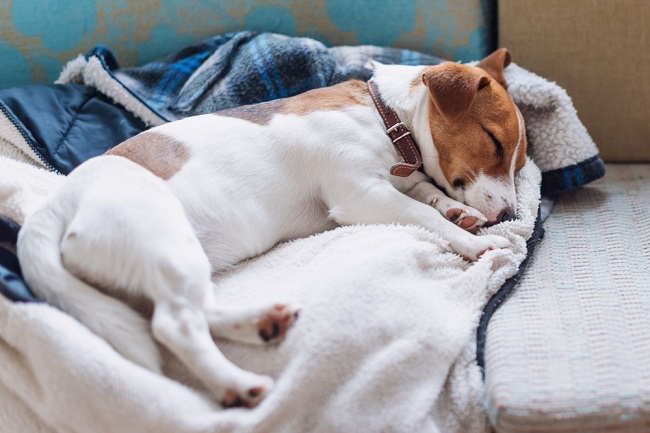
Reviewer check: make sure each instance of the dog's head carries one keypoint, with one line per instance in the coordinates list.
(478, 134)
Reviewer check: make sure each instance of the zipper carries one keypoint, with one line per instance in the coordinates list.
(27, 139)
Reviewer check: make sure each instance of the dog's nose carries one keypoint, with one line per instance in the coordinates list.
(507, 214)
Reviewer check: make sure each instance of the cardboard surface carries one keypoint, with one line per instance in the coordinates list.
(599, 51)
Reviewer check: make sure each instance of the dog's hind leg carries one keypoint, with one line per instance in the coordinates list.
(174, 273)
(183, 328)
(182, 287)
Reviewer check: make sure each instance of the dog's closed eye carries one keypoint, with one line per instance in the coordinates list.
(497, 144)
(458, 183)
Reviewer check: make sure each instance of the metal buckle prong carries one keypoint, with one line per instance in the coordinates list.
(394, 127)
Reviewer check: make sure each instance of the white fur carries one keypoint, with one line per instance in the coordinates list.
(99, 230)
(245, 188)
(491, 193)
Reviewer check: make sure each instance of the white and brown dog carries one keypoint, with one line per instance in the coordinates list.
(143, 227)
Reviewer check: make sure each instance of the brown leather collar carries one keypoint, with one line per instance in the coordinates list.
(399, 134)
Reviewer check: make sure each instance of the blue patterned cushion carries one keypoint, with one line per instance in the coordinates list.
(38, 36)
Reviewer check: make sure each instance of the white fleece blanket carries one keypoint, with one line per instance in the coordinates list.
(385, 342)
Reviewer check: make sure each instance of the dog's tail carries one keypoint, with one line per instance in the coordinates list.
(39, 253)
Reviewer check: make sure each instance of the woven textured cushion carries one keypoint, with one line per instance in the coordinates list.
(570, 350)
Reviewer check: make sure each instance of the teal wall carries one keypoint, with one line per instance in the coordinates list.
(37, 37)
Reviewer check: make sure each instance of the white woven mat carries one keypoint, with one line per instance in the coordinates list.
(570, 350)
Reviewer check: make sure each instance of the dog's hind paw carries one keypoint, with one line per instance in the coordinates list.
(274, 324)
(247, 396)
(262, 324)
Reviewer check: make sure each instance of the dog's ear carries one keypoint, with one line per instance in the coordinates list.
(495, 63)
(453, 89)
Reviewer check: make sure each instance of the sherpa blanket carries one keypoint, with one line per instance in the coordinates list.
(386, 340)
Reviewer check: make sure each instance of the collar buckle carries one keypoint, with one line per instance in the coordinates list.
(404, 143)
(395, 126)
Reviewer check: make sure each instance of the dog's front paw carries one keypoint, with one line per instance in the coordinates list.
(248, 394)
(274, 323)
(473, 248)
(466, 218)
(463, 216)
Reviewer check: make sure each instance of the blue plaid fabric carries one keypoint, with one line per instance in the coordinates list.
(245, 68)
(573, 176)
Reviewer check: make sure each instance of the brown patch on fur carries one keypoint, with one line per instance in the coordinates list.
(261, 113)
(466, 149)
(463, 142)
(333, 98)
(162, 155)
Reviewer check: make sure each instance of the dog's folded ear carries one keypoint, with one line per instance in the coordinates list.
(495, 63)
(453, 89)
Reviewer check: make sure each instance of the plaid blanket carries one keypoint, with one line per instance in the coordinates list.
(245, 68)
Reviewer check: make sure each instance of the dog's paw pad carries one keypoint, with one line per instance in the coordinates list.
(256, 392)
(231, 399)
(249, 398)
(454, 214)
(465, 220)
(273, 326)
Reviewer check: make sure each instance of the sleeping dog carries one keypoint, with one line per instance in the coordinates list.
(127, 245)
